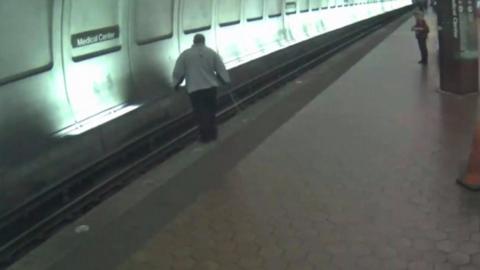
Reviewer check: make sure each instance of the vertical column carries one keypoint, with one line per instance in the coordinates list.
(458, 46)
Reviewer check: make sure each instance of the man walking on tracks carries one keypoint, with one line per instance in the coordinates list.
(203, 70)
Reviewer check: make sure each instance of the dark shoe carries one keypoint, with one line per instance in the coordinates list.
(209, 140)
(214, 136)
(204, 139)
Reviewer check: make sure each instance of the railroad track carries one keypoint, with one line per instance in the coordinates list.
(35, 221)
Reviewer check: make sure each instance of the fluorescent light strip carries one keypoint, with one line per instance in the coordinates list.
(97, 120)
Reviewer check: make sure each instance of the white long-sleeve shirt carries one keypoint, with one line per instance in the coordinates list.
(201, 67)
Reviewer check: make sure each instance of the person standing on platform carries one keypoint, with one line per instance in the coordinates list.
(422, 5)
(203, 70)
(421, 33)
(434, 5)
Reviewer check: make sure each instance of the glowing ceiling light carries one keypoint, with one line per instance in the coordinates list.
(96, 121)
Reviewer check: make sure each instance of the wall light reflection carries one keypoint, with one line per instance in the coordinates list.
(97, 120)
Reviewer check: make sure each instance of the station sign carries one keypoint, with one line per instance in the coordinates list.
(95, 36)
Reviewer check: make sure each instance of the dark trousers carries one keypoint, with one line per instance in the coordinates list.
(204, 103)
(422, 45)
(422, 6)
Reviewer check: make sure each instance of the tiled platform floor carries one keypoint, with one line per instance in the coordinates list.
(361, 178)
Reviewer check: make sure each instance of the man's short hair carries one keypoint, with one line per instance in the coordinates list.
(199, 39)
